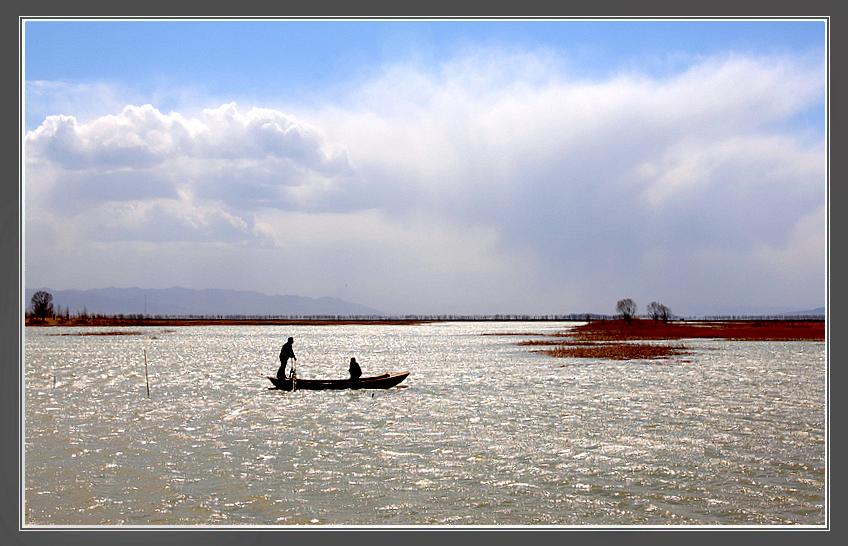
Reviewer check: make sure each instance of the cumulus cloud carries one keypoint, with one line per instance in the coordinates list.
(144, 162)
(141, 136)
(477, 186)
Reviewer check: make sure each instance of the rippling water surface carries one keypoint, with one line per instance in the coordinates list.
(481, 433)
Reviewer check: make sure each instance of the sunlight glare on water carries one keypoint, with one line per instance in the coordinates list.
(482, 432)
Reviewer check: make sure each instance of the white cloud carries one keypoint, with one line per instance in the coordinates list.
(143, 160)
(411, 262)
(800, 255)
(425, 245)
(180, 219)
(141, 136)
(480, 184)
(737, 165)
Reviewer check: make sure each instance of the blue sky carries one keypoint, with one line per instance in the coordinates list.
(448, 166)
(91, 49)
(296, 62)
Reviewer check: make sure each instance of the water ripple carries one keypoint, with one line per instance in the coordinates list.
(483, 432)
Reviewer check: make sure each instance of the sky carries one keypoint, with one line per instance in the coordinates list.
(432, 166)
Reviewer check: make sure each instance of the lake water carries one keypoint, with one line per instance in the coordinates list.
(482, 432)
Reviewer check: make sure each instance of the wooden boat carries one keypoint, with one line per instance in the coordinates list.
(384, 381)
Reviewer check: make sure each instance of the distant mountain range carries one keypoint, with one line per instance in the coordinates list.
(816, 311)
(186, 301)
(212, 302)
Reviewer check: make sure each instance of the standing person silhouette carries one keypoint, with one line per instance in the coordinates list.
(286, 353)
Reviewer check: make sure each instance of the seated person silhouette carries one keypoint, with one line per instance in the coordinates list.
(355, 370)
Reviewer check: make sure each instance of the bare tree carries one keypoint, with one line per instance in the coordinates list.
(626, 308)
(654, 310)
(658, 311)
(42, 304)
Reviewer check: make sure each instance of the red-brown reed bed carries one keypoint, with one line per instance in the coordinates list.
(752, 330)
(614, 339)
(617, 351)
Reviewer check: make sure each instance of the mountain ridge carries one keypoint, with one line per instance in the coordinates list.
(178, 300)
(816, 311)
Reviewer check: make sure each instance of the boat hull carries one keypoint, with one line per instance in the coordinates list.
(384, 381)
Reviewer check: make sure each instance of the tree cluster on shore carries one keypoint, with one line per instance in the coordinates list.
(658, 311)
(627, 310)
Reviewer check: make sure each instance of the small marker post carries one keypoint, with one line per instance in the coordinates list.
(146, 377)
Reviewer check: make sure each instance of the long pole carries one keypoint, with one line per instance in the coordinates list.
(146, 377)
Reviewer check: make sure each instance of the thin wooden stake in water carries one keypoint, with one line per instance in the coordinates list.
(146, 378)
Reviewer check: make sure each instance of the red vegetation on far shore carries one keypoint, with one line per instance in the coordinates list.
(743, 330)
(619, 340)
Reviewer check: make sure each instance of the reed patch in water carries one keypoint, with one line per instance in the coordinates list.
(617, 351)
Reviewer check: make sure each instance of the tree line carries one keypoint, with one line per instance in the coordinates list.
(42, 308)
